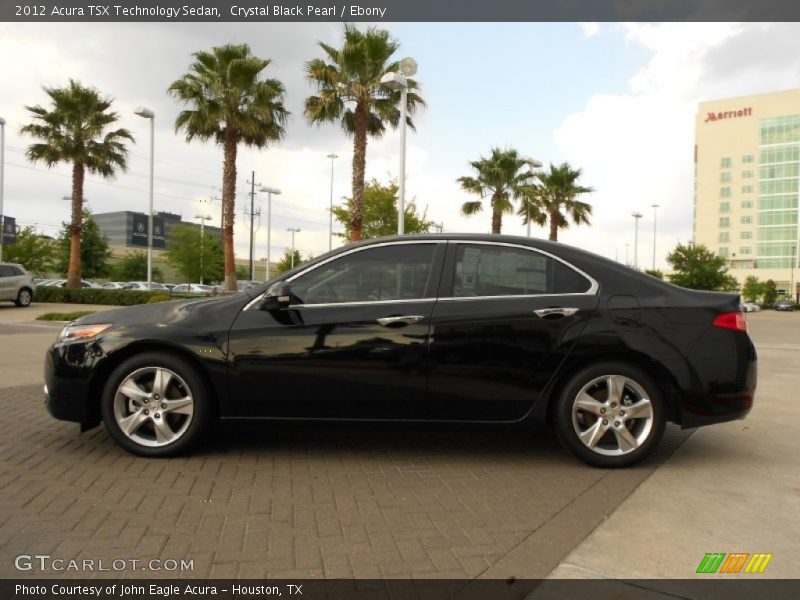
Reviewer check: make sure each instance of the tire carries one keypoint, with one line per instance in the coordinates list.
(610, 431)
(152, 417)
(24, 298)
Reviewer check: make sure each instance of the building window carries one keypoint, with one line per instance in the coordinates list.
(745, 250)
(725, 177)
(748, 158)
(724, 221)
(747, 204)
(724, 237)
(723, 252)
(780, 130)
(746, 220)
(747, 189)
(724, 207)
(725, 192)
(747, 174)
(746, 235)
(725, 163)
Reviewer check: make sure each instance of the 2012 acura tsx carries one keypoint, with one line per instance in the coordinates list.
(456, 328)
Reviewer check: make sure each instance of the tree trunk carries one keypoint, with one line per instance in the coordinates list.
(497, 215)
(359, 167)
(229, 203)
(555, 222)
(74, 270)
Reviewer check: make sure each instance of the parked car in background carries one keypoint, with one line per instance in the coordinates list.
(113, 285)
(785, 305)
(46, 282)
(16, 285)
(142, 286)
(246, 285)
(433, 328)
(192, 288)
(63, 283)
(750, 307)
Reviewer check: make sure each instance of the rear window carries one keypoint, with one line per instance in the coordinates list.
(489, 270)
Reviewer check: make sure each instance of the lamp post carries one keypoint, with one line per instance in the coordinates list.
(203, 219)
(146, 113)
(293, 230)
(2, 183)
(333, 157)
(399, 81)
(655, 218)
(636, 216)
(269, 191)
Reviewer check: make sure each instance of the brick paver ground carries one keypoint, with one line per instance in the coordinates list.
(287, 501)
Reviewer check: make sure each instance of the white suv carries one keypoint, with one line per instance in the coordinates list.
(15, 284)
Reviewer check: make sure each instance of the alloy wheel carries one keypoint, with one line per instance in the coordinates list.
(612, 415)
(153, 406)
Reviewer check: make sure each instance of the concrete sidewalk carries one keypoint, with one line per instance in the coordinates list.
(730, 488)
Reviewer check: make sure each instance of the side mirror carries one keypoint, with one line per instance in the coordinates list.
(277, 297)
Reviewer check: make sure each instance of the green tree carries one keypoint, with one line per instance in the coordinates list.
(33, 251)
(77, 130)
(350, 91)
(94, 248)
(697, 268)
(286, 261)
(231, 104)
(754, 289)
(770, 292)
(380, 213)
(555, 200)
(185, 255)
(503, 177)
(133, 267)
(655, 273)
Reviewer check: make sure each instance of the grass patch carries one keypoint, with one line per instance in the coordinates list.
(64, 316)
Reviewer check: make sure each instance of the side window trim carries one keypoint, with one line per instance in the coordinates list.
(448, 278)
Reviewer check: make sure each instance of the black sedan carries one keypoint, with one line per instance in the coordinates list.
(447, 328)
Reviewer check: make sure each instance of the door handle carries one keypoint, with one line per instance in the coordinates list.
(553, 312)
(401, 320)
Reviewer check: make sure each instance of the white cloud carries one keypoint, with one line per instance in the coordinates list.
(636, 148)
(590, 29)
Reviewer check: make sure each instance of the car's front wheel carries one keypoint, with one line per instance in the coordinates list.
(156, 404)
(24, 298)
(610, 415)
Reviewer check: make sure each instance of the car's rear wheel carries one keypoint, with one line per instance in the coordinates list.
(24, 298)
(610, 415)
(156, 404)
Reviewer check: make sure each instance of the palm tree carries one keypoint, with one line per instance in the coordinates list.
(231, 104)
(350, 91)
(556, 199)
(75, 130)
(503, 177)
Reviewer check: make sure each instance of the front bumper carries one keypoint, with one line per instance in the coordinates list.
(67, 376)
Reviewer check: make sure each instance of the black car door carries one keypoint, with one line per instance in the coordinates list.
(506, 317)
(353, 342)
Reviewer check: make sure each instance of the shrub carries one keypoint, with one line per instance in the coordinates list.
(93, 296)
(159, 298)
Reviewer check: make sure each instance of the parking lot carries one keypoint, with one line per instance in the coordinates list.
(285, 501)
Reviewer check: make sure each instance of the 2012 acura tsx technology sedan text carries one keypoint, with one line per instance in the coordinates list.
(456, 328)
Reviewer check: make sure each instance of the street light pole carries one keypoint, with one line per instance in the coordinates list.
(333, 157)
(293, 230)
(398, 81)
(655, 218)
(2, 182)
(146, 113)
(203, 219)
(636, 216)
(269, 191)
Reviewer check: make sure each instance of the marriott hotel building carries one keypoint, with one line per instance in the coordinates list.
(747, 183)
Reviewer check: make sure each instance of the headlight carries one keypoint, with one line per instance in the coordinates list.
(82, 332)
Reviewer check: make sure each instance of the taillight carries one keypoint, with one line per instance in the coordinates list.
(732, 320)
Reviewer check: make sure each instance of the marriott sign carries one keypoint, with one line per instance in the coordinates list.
(730, 114)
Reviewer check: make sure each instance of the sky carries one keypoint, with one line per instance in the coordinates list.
(617, 101)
